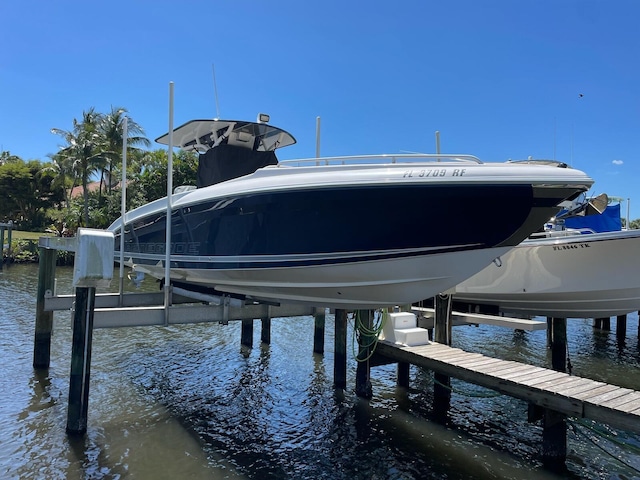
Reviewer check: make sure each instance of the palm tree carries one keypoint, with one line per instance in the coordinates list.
(111, 130)
(84, 150)
(63, 175)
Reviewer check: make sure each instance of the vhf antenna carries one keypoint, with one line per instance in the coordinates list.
(215, 89)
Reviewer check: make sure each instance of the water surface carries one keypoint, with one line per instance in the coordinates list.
(191, 402)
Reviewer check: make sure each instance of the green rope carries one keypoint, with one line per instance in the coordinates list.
(611, 438)
(361, 330)
(578, 432)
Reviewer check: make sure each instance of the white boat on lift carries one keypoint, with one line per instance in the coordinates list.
(565, 272)
(343, 232)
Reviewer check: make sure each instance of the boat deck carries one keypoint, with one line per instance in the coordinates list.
(574, 396)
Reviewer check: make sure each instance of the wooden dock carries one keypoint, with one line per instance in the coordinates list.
(573, 396)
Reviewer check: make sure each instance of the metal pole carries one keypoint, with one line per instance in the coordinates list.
(317, 138)
(167, 266)
(628, 218)
(123, 204)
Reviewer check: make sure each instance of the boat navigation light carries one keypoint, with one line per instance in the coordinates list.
(263, 118)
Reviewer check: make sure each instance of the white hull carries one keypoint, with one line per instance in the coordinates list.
(354, 285)
(584, 276)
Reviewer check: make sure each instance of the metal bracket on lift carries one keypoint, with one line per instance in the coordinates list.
(226, 301)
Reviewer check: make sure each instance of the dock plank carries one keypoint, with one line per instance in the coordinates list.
(535, 377)
(630, 406)
(486, 361)
(622, 400)
(574, 391)
(528, 373)
(596, 391)
(542, 378)
(599, 399)
(569, 394)
(495, 370)
(567, 384)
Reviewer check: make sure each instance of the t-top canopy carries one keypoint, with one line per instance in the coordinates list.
(202, 135)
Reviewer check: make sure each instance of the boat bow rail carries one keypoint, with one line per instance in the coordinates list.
(382, 159)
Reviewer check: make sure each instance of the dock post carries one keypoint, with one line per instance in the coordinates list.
(554, 440)
(442, 334)
(603, 323)
(2, 245)
(318, 331)
(364, 325)
(559, 344)
(554, 424)
(44, 320)
(246, 337)
(81, 360)
(621, 325)
(9, 237)
(265, 331)
(340, 354)
(403, 374)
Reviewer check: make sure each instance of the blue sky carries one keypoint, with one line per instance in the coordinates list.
(500, 79)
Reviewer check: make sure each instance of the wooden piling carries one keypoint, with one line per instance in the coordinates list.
(442, 334)
(554, 440)
(44, 320)
(603, 323)
(81, 360)
(340, 353)
(2, 242)
(621, 325)
(265, 331)
(246, 337)
(559, 344)
(318, 331)
(403, 374)
(9, 237)
(365, 345)
(554, 424)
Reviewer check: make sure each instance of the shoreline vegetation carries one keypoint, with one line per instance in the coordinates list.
(24, 249)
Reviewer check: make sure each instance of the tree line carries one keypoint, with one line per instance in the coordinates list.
(43, 195)
(39, 195)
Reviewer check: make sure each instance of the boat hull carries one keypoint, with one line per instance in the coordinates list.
(364, 284)
(358, 236)
(583, 276)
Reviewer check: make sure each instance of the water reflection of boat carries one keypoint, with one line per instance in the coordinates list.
(347, 231)
(582, 267)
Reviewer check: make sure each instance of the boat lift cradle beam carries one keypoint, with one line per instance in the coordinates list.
(145, 309)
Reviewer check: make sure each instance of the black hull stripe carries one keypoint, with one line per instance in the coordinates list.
(218, 264)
